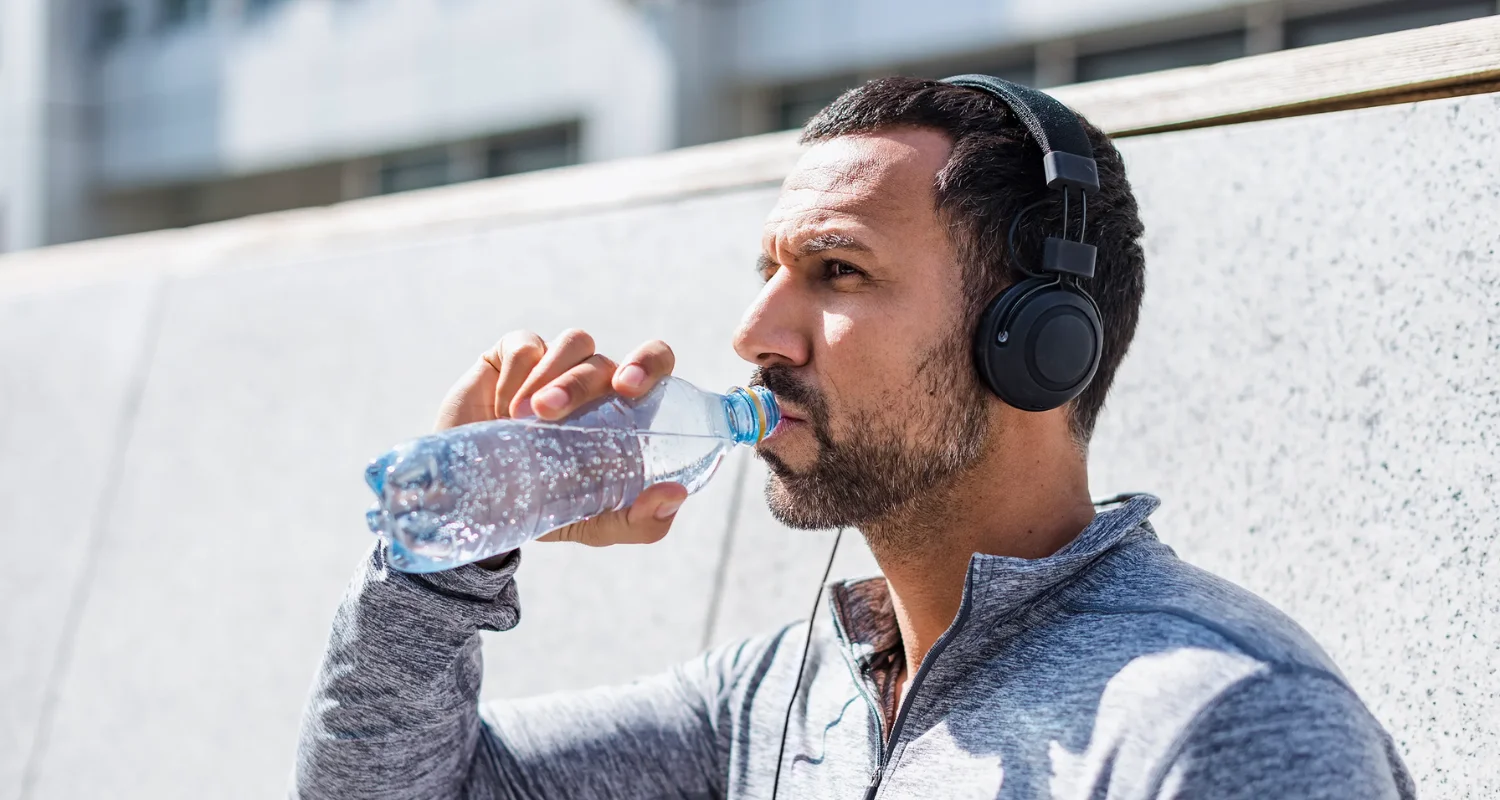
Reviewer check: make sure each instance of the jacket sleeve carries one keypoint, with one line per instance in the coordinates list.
(394, 710)
(1288, 733)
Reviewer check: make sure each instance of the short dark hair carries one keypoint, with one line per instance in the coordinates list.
(994, 171)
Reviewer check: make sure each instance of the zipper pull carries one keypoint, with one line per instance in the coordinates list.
(874, 785)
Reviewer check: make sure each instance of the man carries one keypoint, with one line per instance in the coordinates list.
(1020, 643)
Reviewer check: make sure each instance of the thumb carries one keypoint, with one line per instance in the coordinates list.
(648, 519)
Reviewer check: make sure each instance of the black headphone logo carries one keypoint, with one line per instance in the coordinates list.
(1038, 342)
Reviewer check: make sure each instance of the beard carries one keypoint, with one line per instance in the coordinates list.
(887, 465)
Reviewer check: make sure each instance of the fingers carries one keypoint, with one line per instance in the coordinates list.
(522, 375)
(644, 368)
(571, 348)
(469, 399)
(512, 359)
(483, 392)
(646, 521)
(580, 385)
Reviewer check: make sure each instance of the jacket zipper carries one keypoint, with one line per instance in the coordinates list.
(911, 695)
(860, 679)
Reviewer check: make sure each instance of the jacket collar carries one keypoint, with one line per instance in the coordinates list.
(995, 588)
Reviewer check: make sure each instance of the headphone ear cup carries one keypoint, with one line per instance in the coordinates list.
(1038, 343)
(993, 332)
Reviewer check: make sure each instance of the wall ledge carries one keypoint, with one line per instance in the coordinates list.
(1440, 61)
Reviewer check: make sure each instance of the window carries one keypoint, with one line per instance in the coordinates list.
(176, 13)
(1007, 66)
(797, 104)
(1024, 74)
(542, 149)
(254, 7)
(111, 23)
(1165, 55)
(555, 146)
(1382, 18)
(416, 169)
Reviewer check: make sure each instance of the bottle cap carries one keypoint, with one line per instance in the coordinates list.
(754, 414)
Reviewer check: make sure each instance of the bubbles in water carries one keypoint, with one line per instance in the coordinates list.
(483, 489)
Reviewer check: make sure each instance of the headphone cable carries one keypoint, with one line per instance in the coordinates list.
(1083, 228)
(1010, 241)
(786, 720)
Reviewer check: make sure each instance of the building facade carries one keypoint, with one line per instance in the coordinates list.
(119, 116)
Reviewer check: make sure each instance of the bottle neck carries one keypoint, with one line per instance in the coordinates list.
(752, 413)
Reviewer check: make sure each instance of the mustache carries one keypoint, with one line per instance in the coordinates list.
(788, 387)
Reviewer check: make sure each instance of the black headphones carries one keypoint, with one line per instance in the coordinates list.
(1037, 343)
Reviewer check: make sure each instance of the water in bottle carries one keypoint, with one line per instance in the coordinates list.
(477, 490)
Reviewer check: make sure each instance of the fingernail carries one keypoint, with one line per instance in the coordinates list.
(551, 398)
(523, 408)
(632, 376)
(667, 509)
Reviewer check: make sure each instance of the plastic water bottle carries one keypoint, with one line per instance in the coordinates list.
(477, 490)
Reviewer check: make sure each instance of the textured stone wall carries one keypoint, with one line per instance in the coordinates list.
(1312, 393)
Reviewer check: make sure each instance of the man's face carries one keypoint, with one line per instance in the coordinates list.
(859, 332)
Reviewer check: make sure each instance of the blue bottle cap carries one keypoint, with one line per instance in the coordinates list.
(761, 414)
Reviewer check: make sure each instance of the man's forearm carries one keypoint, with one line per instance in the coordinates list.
(394, 709)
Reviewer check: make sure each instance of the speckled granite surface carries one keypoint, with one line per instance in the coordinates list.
(1315, 393)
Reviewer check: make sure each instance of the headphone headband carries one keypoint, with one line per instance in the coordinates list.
(1067, 161)
(1067, 155)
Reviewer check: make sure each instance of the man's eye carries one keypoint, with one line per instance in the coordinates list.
(840, 269)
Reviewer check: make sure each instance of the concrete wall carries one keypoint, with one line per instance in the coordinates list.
(184, 417)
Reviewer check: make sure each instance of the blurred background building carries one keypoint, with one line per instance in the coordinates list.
(119, 116)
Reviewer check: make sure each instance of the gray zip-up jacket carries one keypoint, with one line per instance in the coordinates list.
(1109, 670)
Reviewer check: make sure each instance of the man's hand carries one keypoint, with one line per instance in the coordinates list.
(522, 375)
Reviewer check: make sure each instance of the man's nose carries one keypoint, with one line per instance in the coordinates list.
(771, 332)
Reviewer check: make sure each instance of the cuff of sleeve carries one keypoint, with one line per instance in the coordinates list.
(489, 594)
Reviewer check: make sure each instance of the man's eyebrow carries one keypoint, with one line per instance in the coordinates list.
(818, 244)
(832, 241)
